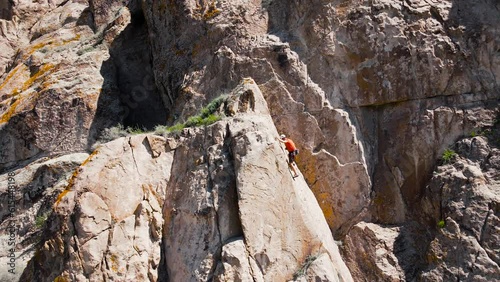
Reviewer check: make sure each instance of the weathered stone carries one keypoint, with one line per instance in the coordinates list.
(29, 193)
(113, 198)
(109, 221)
(234, 265)
(372, 92)
(463, 201)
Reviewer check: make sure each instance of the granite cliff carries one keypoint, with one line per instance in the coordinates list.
(375, 93)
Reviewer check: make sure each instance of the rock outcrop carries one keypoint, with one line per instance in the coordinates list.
(458, 225)
(463, 199)
(372, 92)
(192, 208)
(70, 78)
(371, 89)
(27, 196)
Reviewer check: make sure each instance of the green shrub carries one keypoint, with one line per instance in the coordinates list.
(194, 121)
(211, 119)
(206, 116)
(303, 269)
(441, 224)
(41, 219)
(212, 106)
(112, 133)
(176, 127)
(135, 130)
(448, 155)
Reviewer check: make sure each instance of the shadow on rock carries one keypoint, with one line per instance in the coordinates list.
(129, 95)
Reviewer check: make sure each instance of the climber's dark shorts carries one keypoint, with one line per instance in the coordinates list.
(291, 156)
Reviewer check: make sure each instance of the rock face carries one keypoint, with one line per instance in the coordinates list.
(458, 224)
(109, 222)
(372, 92)
(375, 90)
(27, 196)
(70, 78)
(462, 197)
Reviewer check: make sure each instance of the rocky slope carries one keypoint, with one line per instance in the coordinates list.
(190, 208)
(373, 92)
(458, 237)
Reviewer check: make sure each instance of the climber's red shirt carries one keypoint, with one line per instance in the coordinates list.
(290, 146)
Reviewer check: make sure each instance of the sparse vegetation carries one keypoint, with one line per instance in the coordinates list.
(85, 49)
(441, 224)
(448, 155)
(207, 116)
(41, 219)
(135, 130)
(115, 132)
(303, 269)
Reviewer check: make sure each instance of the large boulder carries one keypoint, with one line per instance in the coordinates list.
(27, 195)
(456, 236)
(214, 202)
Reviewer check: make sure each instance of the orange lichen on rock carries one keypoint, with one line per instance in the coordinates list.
(211, 12)
(10, 112)
(71, 181)
(16, 94)
(10, 75)
(51, 43)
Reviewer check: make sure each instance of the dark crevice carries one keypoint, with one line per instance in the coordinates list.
(6, 9)
(129, 94)
(62, 3)
(210, 187)
(162, 266)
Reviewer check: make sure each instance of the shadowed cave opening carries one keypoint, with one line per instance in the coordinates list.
(129, 95)
(142, 106)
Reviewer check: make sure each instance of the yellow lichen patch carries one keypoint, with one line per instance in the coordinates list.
(60, 279)
(71, 181)
(326, 206)
(114, 263)
(10, 75)
(11, 111)
(51, 43)
(43, 70)
(91, 156)
(211, 12)
(247, 80)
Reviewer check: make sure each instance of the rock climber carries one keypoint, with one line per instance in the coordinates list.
(292, 152)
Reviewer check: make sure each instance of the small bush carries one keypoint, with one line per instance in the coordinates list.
(448, 155)
(176, 127)
(211, 119)
(206, 116)
(303, 269)
(118, 131)
(135, 130)
(213, 106)
(441, 224)
(194, 121)
(112, 133)
(41, 219)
